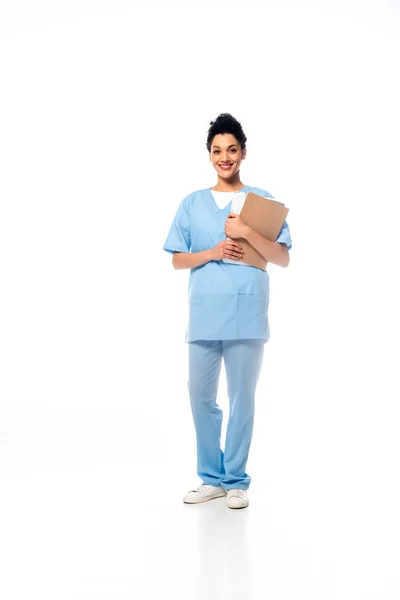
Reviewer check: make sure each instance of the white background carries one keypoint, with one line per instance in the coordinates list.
(104, 112)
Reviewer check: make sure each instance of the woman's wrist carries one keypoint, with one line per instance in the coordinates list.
(246, 232)
(209, 254)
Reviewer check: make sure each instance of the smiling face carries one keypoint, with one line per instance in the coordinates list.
(226, 155)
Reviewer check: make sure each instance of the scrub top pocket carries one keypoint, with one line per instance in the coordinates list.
(213, 316)
(252, 315)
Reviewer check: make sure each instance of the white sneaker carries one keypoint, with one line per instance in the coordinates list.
(237, 498)
(203, 493)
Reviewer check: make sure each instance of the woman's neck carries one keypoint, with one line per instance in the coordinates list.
(228, 186)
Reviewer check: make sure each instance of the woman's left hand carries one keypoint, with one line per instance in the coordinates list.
(235, 227)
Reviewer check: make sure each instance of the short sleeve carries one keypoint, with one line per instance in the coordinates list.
(179, 237)
(284, 236)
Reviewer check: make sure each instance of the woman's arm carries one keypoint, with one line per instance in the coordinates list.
(273, 252)
(190, 260)
(224, 249)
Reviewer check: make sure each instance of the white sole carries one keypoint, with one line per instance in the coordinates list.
(244, 506)
(220, 495)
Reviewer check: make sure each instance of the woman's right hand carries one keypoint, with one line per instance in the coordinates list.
(227, 249)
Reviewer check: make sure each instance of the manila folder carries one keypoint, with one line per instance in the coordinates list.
(266, 216)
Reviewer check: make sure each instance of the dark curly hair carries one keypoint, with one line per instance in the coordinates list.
(226, 123)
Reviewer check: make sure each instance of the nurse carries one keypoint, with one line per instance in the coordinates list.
(228, 314)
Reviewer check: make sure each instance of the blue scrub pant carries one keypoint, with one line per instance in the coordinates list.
(242, 360)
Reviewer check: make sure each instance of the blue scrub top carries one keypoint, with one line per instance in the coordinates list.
(226, 301)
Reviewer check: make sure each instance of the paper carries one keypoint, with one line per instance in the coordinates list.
(238, 201)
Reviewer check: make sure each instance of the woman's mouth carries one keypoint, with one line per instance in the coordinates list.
(226, 167)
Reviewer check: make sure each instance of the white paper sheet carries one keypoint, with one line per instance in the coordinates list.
(238, 201)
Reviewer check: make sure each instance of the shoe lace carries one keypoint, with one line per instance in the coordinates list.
(237, 492)
(203, 487)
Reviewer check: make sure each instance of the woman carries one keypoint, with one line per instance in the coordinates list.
(228, 314)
